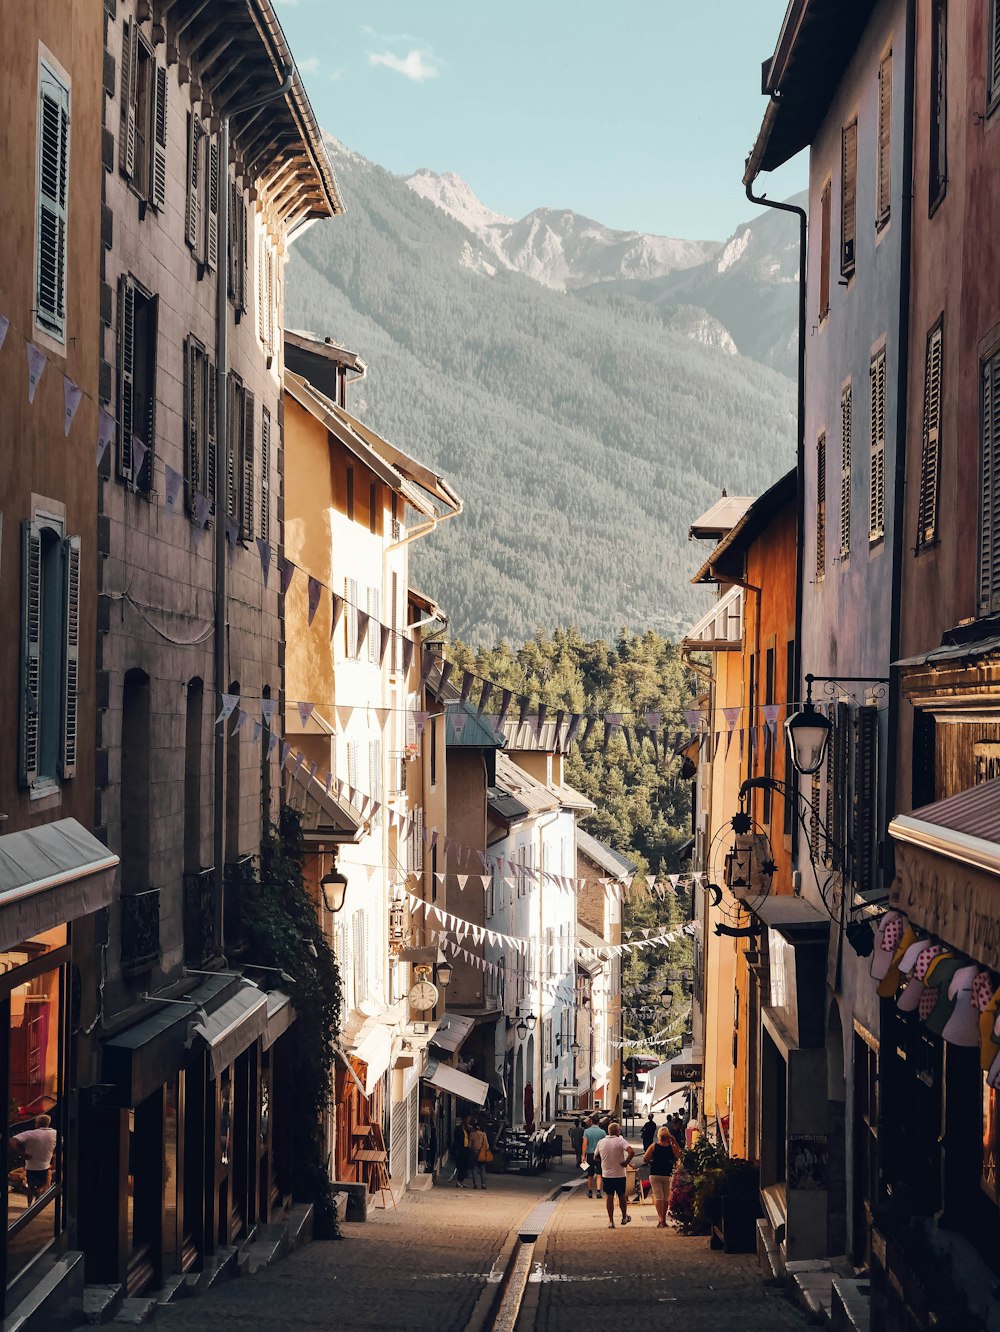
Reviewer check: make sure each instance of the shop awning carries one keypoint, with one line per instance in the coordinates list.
(280, 1016)
(374, 1050)
(50, 875)
(452, 1032)
(460, 1084)
(233, 1027)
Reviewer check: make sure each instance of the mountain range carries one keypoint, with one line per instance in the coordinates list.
(587, 391)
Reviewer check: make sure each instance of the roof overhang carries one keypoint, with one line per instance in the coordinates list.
(325, 816)
(725, 615)
(49, 876)
(724, 514)
(725, 564)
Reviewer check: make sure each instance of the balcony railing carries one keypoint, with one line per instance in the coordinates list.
(199, 917)
(140, 945)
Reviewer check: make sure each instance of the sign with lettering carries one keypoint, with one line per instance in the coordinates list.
(685, 1072)
(987, 757)
(959, 903)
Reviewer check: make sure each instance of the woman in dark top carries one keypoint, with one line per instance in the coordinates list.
(661, 1156)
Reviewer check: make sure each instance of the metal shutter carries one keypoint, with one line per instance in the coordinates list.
(930, 449)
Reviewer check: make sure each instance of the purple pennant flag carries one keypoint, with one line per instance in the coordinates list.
(242, 718)
(327, 780)
(426, 665)
(467, 681)
(419, 722)
(256, 731)
(72, 394)
(232, 532)
(574, 726)
(589, 725)
(484, 697)
(540, 720)
(36, 365)
(286, 571)
(458, 725)
(264, 551)
(522, 713)
(446, 671)
(202, 510)
(385, 633)
(268, 707)
(692, 716)
(407, 654)
(505, 697)
(653, 720)
(335, 613)
(305, 712)
(272, 744)
(299, 760)
(363, 619)
(315, 588)
(771, 718)
(4, 325)
(312, 770)
(286, 751)
(139, 451)
(732, 716)
(560, 718)
(172, 482)
(105, 433)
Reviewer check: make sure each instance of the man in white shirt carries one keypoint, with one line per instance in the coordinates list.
(38, 1145)
(614, 1154)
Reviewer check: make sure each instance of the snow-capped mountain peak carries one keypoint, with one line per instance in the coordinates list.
(456, 196)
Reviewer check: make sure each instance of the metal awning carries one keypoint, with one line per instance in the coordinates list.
(233, 1027)
(460, 1084)
(280, 1016)
(51, 875)
(452, 1032)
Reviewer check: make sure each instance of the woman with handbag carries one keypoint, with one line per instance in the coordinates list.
(480, 1154)
(661, 1156)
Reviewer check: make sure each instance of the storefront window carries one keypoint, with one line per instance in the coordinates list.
(991, 1114)
(170, 1180)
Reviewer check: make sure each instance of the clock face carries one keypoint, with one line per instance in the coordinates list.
(423, 995)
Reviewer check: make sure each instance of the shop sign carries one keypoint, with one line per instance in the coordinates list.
(685, 1072)
(958, 903)
(987, 758)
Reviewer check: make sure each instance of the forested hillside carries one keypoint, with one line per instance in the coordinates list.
(583, 439)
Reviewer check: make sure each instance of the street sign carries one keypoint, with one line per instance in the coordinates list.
(685, 1072)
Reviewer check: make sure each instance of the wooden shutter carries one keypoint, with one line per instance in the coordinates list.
(373, 634)
(930, 451)
(237, 248)
(147, 428)
(824, 252)
(865, 797)
(244, 275)
(884, 139)
(71, 654)
(989, 516)
(876, 490)
(158, 192)
(247, 461)
(937, 176)
(848, 197)
(53, 194)
(234, 200)
(993, 55)
(31, 643)
(194, 418)
(192, 214)
(233, 443)
(126, 375)
(212, 209)
(846, 428)
(127, 133)
(820, 507)
(211, 431)
(265, 473)
(351, 596)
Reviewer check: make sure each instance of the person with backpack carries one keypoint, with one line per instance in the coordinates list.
(661, 1156)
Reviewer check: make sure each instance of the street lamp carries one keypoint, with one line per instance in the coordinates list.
(575, 1048)
(808, 735)
(443, 974)
(334, 886)
(521, 1028)
(531, 1020)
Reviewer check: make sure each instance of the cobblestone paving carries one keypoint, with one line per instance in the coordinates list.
(419, 1269)
(587, 1276)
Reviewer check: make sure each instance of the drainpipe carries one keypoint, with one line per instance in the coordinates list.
(221, 483)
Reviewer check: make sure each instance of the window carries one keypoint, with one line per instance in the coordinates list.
(373, 508)
(989, 513)
(50, 652)
(434, 873)
(937, 179)
(240, 456)
(394, 622)
(993, 56)
(53, 196)
(766, 737)
(374, 637)
(820, 508)
(351, 618)
(846, 428)
(135, 782)
(137, 311)
(884, 180)
(266, 313)
(930, 447)
(265, 474)
(848, 197)
(824, 252)
(876, 488)
(199, 423)
(434, 751)
(238, 225)
(142, 144)
(375, 775)
(417, 841)
(201, 214)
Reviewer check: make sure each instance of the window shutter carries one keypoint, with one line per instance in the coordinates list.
(884, 138)
(246, 505)
(193, 406)
(989, 517)
(417, 840)
(147, 428)
(192, 216)
(821, 507)
(53, 185)
(930, 452)
(846, 427)
(212, 211)
(31, 637)
(262, 288)
(272, 299)
(71, 653)
(237, 248)
(994, 54)
(159, 194)
(126, 375)
(373, 635)
(351, 618)
(848, 196)
(265, 474)
(127, 133)
(211, 430)
(876, 493)
(824, 252)
(865, 797)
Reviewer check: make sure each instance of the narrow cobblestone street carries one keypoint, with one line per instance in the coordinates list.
(424, 1267)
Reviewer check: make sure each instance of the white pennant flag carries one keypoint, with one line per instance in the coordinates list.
(4, 325)
(36, 367)
(305, 712)
(229, 702)
(72, 393)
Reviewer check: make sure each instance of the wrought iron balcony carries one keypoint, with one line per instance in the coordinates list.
(199, 918)
(140, 920)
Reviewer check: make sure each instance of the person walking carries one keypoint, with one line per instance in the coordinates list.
(460, 1151)
(649, 1132)
(479, 1146)
(576, 1137)
(592, 1135)
(614, 1155)
(38, 1145)
(661, 1157)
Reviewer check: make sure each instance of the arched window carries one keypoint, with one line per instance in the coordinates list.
(192, 775)
(135, 783)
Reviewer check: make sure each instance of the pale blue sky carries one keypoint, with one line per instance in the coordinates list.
(638, 113)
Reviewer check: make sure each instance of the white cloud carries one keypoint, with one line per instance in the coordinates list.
(310, 65)
(412, 66)
(335, 75)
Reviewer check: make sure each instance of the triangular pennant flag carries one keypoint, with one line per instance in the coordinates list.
(232, 534)
(419, 722)
(382, 716)
(407, 654)
(4, 325)
(36, 366)
(315, 588)
(271, 744)
(344, 715)
(574, 726)
(524, 704)
(653, 720)
(463, 879)
(771, 718)
(427, 660)
(256, 731)
(363, 619)
(72, 394)
(286, 752)
(286, 572)
(202, 510)
(264, 551)
(732, 716)
(446, 671)
(468, 679)
(336, 612)
(693, 718)
(591, 722)
(385, 633)
(312, 770)
(229, 702)
(105, 433)
(628, 740)
(484, 697)
(327, 780)
(305, 712)
(242, 717)
(268, 707)
(172, 482)
(505, 698)
(297, 767)
(540, 720)
(139, 451)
